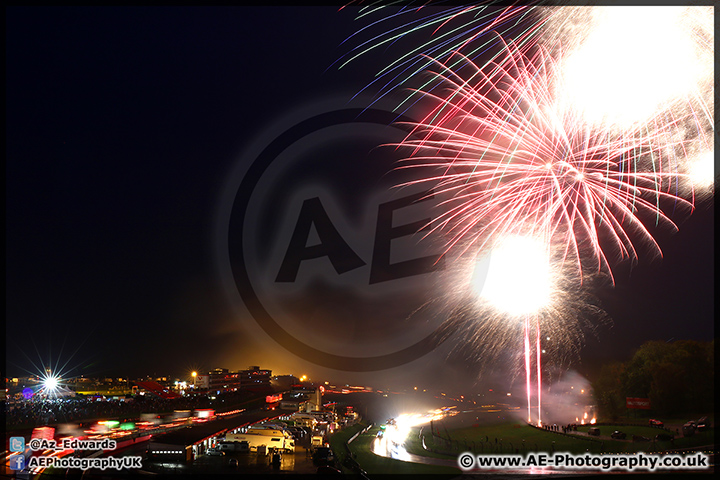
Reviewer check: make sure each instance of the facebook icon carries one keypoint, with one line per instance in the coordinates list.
(17, 462)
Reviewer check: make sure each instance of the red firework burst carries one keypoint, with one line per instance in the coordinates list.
(513, 160)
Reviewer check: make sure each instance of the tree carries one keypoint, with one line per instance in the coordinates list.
(676, 377)
(608, 391)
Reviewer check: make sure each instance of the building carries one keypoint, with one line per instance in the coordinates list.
(223, 380)
(254, 378)
(292, 404)
(314, 401)
(282, 383)
(186, 444)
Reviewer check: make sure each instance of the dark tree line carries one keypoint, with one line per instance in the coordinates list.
(677, 377)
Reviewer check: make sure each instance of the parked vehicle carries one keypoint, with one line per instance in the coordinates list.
(296, 432)
(241, 446)
(618, 435)
(656, 423)
(214, 453)
(595, 431)
(703, 424)
(270, 431)
(283, 441)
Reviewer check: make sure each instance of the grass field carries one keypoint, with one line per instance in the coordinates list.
(512, 437)
(340, 438)
(413, 444)
(521, 438)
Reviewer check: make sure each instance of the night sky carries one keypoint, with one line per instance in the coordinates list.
(123, 125)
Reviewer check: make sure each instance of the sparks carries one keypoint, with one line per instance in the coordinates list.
(511, 163)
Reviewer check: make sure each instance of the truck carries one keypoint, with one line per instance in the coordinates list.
(266, 426)
(281, 441)
(268, 431)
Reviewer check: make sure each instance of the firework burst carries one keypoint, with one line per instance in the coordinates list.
(586, 132)
(628, 66)
(511, 161)
(489, 333)
(623, 66)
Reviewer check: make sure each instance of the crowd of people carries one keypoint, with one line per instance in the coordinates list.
(571, 427)
(39, 411)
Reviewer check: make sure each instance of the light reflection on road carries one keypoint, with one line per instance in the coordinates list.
(386, 448)
(391, 442)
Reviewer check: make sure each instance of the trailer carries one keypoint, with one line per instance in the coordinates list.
(234, 446)
(257, 440)
(269, 431)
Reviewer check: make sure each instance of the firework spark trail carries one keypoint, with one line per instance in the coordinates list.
(445, 37)
(527, 144)
(511, 163)
(528, 369)
(478, 330)
(539, 373)
(623, 64)
(527, 365)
